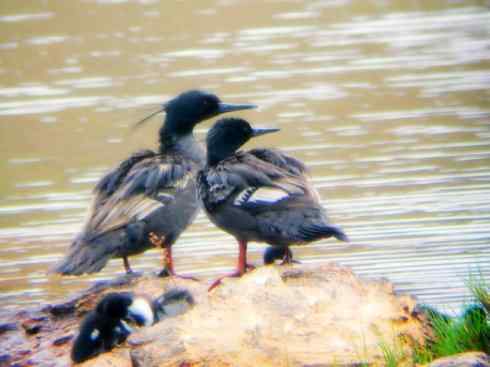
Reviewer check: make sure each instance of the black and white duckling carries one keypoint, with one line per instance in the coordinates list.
(151, 197)
(259, 195)
(275, 253)
(108, 325)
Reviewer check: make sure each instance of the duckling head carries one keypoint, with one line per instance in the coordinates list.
(228, 135)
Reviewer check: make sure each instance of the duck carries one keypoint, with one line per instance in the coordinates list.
(109, 324)
(149, 199)
(260, 195)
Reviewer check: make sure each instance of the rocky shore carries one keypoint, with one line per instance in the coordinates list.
(274, 316)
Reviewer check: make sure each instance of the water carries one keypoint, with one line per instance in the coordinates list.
(386, 101)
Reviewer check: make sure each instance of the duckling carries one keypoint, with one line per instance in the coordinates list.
(108, 324)
(273, 253)
(172, 303)
(259, 195)
(151, 197)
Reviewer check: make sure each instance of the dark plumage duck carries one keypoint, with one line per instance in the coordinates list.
(150, 198)
(259, 195)
(108, 324)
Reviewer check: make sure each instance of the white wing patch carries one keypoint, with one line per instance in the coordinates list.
(262, 195)
(244, 196)
(94, 334)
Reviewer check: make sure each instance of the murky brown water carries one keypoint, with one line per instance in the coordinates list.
(387, 102)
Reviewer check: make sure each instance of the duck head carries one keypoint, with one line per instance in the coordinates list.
(228, 135)
(188, 109)
(126, 307)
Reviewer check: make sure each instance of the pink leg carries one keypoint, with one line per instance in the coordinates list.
(126, 265)
(168, 263)
(241, 266)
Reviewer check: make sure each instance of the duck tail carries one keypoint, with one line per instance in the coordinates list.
(83, 257)
(315, 232)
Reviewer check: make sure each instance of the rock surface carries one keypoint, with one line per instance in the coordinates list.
(474, 359)
(273, 316)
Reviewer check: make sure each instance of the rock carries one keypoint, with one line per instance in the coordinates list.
(473, 359)
(63, 340)
(5, 360)
(33, 326)
(273, 316)
(55, 325)
(277, 316)
(8, 326)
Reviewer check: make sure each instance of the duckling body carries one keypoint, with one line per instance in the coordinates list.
(106, 326)
(150, 198)
(260, 195)
(273, 253)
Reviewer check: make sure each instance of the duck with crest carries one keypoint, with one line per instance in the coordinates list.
(259, 195)
(151, 197)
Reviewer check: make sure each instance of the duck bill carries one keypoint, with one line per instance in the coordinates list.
(262, 131)
(229, 107)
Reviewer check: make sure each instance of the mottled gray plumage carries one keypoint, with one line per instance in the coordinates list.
(151, 197)
(146, 193)
(260, 195)
(286, 212)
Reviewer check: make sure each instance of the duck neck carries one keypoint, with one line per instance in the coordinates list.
(180, 142)
(217, 153)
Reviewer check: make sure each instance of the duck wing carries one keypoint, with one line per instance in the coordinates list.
(254, 182)
(113, 179)
(280, 160)
(140, 185)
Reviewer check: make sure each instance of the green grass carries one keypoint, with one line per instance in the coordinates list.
(392, 355)
(480, 290)
(468, 332)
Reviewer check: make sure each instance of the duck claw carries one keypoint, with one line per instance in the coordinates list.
(217, 282)
(289, 262)
(164, 273)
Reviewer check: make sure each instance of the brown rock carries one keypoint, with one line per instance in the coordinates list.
(279, 316)
(117, 358)
(273, 316)
(63, 340)
(33, 326)
(473, 359)
(8, 326)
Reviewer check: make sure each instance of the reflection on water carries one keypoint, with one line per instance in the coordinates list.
(387, 102)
